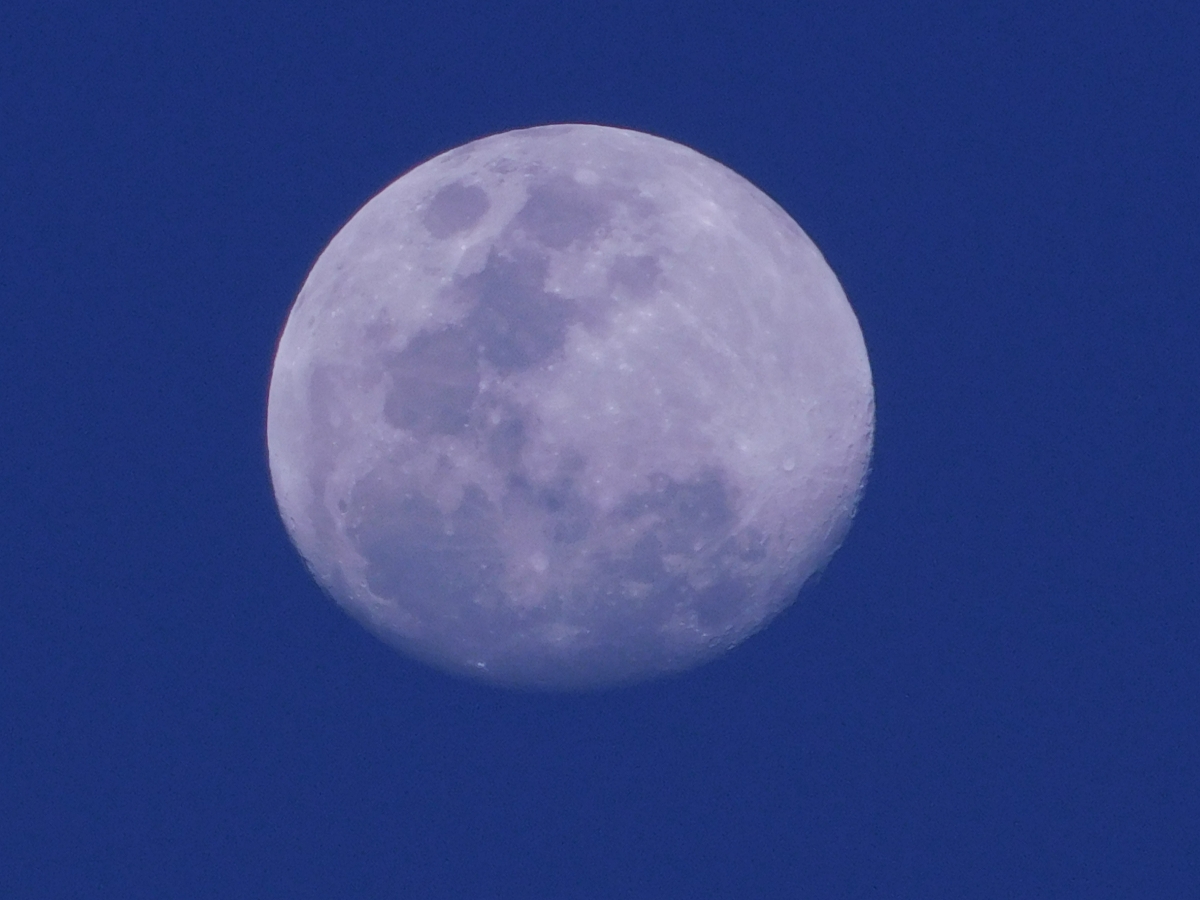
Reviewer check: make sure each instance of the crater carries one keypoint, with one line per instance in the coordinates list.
(455, 208)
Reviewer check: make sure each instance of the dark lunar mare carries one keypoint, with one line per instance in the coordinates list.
(444, 568)
(454, 209)
(435, 381)
(512, 325)
(560, 211)
(439, 567)
(516, 323)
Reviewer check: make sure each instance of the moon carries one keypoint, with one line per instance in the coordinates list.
(567, 407)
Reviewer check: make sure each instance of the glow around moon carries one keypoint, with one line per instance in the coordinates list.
(569, 406)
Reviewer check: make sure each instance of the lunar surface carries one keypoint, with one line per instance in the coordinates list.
(569, 406)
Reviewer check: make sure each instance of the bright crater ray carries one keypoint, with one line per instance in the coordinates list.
(569, 406)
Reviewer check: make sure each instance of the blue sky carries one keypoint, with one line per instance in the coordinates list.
(993, 690)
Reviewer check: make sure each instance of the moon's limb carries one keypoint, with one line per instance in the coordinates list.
(569, 406)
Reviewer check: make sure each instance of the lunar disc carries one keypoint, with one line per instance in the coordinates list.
(569, 406)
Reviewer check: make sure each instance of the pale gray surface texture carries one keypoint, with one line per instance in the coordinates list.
(569, 406)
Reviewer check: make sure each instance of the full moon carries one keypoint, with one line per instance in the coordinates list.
(569, 406)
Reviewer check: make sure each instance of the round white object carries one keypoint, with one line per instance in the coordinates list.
(569, 406)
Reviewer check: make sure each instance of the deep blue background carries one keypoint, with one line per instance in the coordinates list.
(994, 690)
